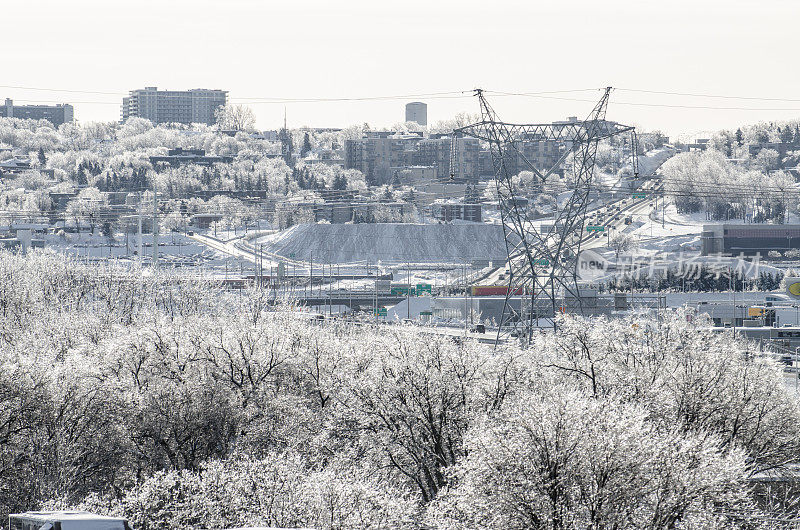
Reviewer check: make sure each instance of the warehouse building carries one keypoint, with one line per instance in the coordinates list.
(748, 239)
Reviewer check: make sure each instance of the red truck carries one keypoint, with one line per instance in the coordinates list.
(494, 290)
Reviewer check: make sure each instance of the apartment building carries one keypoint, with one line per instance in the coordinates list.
(55, 114)
(382, 155)
(198, 105)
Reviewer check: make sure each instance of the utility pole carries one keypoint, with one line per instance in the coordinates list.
(464, 276)
(408, 290)
(330, 285)
(155, 228)
(139, 234)
(733, 289)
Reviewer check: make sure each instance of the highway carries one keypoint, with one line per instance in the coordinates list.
(610, 216)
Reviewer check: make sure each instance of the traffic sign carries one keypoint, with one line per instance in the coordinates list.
(639, 195)
(595, 228)
(423, 288)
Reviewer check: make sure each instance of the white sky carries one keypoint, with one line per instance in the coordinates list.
(347, 48)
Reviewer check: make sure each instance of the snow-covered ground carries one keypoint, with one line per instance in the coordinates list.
(675, 233)
(172, 246)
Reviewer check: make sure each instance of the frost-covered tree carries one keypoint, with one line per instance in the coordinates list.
(561, 460)
(621, 243)
(86, 207)
(177, 403)
(236, 118)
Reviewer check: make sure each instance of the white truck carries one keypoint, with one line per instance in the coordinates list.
(65, 521)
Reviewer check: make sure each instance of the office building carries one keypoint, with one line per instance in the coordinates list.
(55, 114)
(197, 105)
(417, 112)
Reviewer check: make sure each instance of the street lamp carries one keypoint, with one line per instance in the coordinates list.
(796, 373)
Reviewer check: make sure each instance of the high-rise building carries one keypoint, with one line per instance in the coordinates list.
(417, 112)
(55, 114)
(198, 105)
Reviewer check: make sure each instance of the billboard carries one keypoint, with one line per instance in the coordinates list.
(793, 287)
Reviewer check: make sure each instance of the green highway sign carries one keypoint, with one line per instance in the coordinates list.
(639, 195)
(423, 288)
(542, 262)
(597, 228)
(381, 312)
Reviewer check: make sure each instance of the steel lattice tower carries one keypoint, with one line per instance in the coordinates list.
(543, 261)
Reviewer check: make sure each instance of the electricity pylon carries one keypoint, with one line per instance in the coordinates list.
(542, 260)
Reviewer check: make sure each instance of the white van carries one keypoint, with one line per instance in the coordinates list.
(65, 521)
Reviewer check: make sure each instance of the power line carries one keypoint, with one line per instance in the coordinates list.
(16, 87)
(714, 96)
(547, 94)
(656, 105)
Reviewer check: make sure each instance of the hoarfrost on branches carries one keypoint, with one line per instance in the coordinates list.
(176, 403)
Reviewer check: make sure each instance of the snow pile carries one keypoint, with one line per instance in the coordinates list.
(409, 308)
(389, 243)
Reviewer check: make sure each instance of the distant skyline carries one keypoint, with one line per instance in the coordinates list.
(91, 53)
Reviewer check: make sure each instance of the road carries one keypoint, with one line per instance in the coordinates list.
(611, 217)
(240, 248)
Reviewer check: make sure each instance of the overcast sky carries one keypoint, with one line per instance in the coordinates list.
(349, 49)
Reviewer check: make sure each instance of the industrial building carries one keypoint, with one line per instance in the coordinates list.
(198, 105)
(489, 308)
(748, 239)
(417, 112)
(55, 114)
